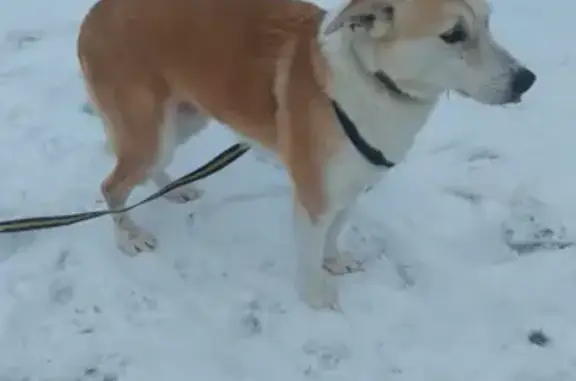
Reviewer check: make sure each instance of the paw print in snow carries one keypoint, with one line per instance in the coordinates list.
(327, 356)
(531, 227)
(108, 368)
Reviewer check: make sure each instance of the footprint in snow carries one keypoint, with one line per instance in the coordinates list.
(93, 374)
(61, 292)
(531, 226)
(20, 39)
(327, 357)
(108, 368)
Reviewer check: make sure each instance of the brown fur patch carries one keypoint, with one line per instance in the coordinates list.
(222, 56)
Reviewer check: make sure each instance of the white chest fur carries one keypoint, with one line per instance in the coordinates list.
(383, 121)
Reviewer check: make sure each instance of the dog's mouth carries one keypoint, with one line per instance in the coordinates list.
(511, 99)
(464, 93)
(515, 98)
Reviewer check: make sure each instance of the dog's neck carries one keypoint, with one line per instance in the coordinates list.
(386, 120)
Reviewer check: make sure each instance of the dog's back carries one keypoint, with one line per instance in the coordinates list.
(222, 52)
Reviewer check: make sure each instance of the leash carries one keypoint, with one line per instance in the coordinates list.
(218, 163)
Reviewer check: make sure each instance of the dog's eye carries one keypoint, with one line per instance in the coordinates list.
(365, 21)
(455, 35)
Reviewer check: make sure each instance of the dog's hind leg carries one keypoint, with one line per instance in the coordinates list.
(182, 122)
(135, 114)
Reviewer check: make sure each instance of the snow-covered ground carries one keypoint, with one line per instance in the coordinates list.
(466, 244)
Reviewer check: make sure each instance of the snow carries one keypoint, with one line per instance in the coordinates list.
(467, 244)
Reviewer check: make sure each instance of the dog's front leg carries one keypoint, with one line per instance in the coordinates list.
(315, 286)
(337, 261)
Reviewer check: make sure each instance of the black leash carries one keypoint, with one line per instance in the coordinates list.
(218, 163)
(225, 158)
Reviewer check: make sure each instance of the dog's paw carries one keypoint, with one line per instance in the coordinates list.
(343, 263)
(135, 240)
(319, 292)
(184, 194)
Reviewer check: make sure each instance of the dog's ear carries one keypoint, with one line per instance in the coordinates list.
(373, 15)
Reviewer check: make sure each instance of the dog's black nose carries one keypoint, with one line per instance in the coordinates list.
(522, 81)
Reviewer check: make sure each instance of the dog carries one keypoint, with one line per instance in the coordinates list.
(337, 94)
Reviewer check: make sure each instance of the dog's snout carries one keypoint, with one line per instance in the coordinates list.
(522, 81)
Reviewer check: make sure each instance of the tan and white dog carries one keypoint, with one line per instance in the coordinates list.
(334, 94)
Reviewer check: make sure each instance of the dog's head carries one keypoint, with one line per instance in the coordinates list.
(424, 47)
